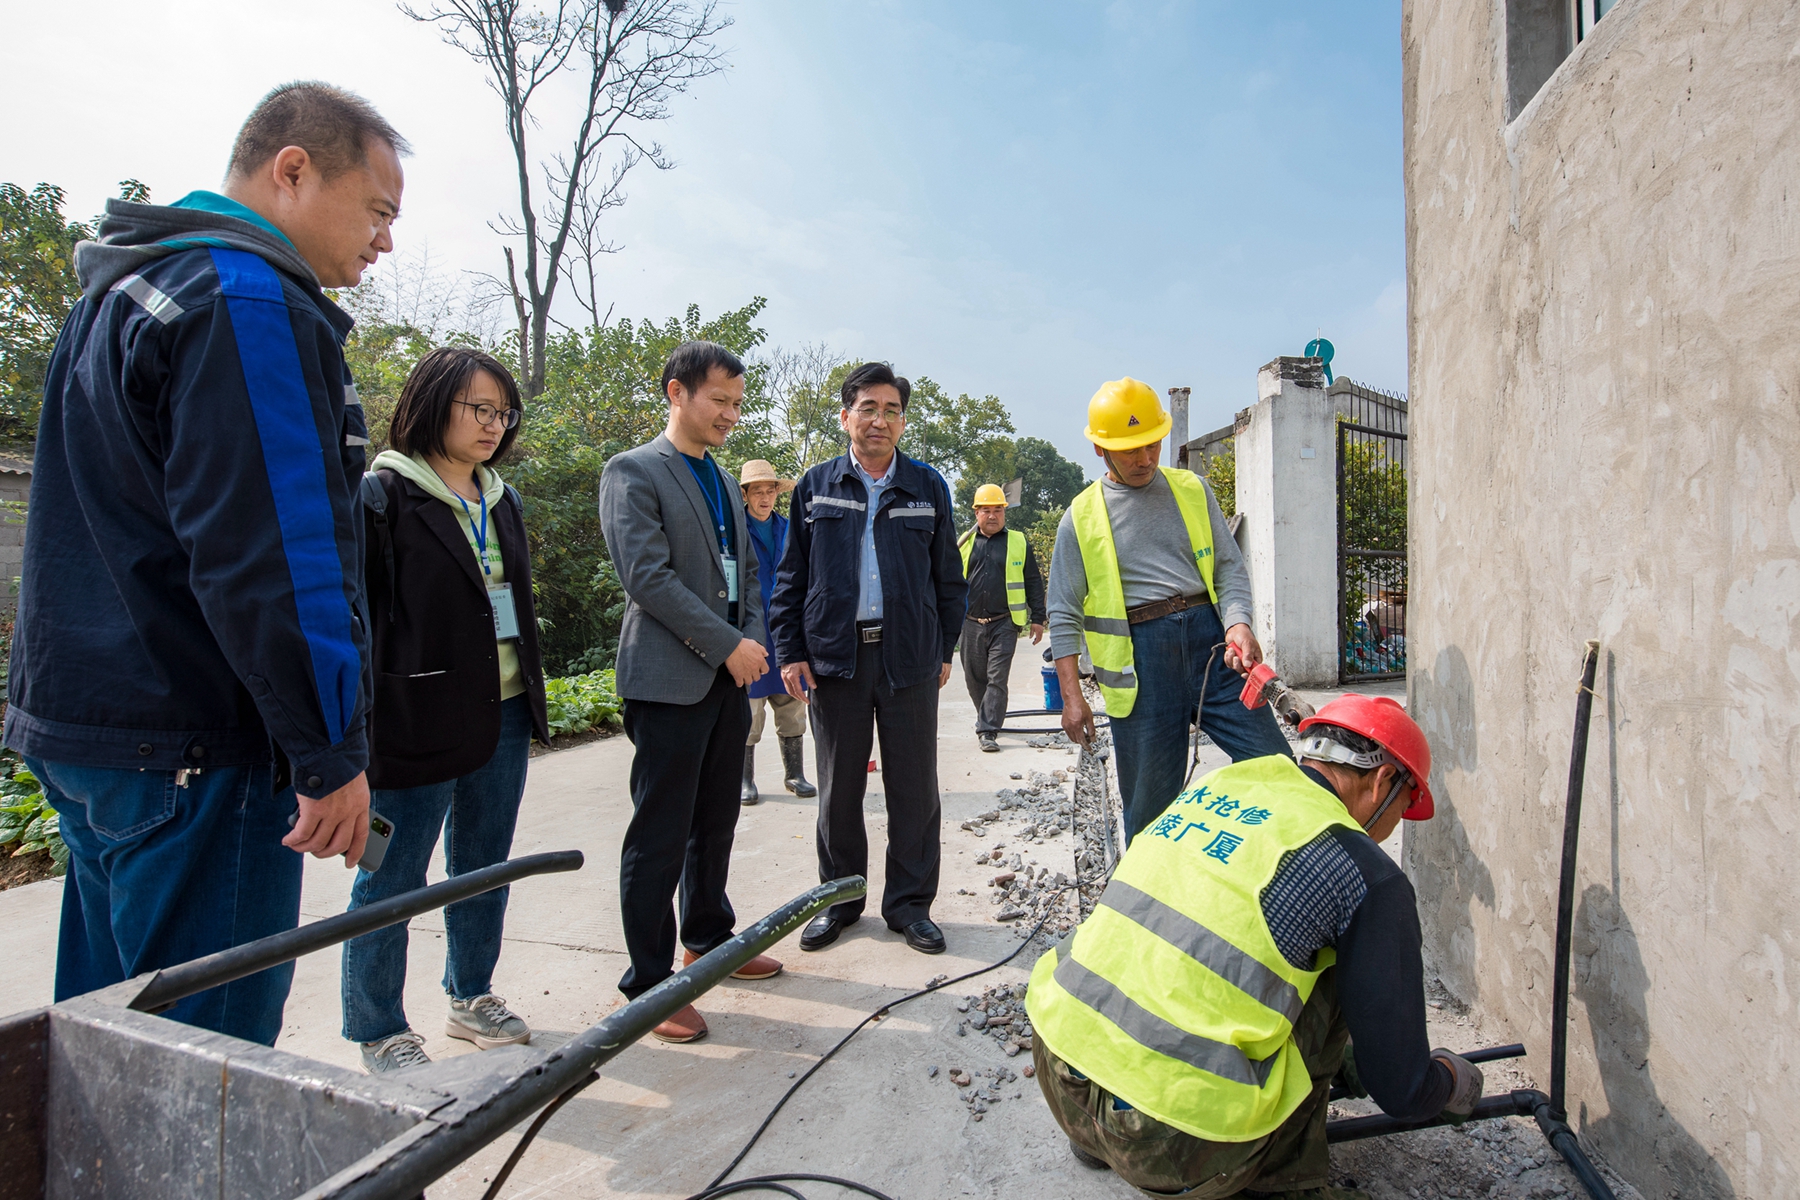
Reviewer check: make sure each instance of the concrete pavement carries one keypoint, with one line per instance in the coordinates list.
(663, 1120)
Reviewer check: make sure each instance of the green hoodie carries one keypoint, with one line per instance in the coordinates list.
(415, 468)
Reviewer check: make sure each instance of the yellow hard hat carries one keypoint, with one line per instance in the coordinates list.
(1125, 414)
(989, 494)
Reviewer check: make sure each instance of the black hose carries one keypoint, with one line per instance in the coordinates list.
(1565, 893)
(190, 978)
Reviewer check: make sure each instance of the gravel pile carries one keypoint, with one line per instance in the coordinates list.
(999, 1012)
(983, 1089)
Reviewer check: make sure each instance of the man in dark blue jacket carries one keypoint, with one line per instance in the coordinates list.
(865, 615)
(189, 611)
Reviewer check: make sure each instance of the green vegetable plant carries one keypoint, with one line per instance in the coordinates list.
(578, 703)
(27, 822)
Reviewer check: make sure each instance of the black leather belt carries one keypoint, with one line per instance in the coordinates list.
(868, 631)
(1162, 608)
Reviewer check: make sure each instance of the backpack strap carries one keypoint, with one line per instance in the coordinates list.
(517, 499)
(375, 500)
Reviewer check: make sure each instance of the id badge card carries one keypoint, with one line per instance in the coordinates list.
(506, 616)
(729, 565)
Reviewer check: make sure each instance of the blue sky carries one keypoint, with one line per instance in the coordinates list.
(1018, 198)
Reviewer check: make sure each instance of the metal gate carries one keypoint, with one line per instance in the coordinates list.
(1371, 495)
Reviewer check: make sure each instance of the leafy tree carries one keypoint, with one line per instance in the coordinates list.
(946, 432)
(1048, 480)
(1221, 473)
(37, 289)
(1374, 500)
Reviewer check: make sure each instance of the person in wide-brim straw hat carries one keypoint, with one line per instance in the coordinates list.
(762, 486)
(761, 470)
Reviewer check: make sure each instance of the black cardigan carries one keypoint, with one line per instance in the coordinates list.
(437, 675)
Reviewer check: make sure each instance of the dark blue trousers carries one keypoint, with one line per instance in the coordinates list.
(161, 874)
(1170, 656)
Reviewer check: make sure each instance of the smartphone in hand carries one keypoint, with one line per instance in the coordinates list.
(381, 831)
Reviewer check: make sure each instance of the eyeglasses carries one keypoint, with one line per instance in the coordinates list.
(868, 412)
(485, 414)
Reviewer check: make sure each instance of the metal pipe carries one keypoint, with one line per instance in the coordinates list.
(1490, 1054)
(189, 978)
(1565, 892)
(402, 1168)
(1380, 1124)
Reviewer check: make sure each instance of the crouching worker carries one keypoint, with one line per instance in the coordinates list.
(1188, 1034)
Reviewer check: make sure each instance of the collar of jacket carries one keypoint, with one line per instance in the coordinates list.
(908, 476)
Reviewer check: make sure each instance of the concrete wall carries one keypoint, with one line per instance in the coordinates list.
(1605, 371)
(1287, 497)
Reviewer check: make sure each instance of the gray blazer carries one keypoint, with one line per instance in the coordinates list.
(666, 550)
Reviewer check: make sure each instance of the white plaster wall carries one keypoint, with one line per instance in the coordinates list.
(1289, 532)
(1605, 384)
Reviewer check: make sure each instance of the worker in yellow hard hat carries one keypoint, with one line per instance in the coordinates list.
(1006, 596)
(1146, 573)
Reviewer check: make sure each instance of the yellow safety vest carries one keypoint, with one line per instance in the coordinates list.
(1172, 995)
(1015, 573)
(1108, 632)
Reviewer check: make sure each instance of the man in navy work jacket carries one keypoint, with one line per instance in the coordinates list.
(866, 611)
(189, 611)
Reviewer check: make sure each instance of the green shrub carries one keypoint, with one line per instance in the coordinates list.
(27, 822)
(578, 703)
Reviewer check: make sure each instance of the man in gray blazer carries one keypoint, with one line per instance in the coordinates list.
(690, 645)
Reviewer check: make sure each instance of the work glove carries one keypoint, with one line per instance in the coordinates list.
(1465, 1086)
(1346, 1078)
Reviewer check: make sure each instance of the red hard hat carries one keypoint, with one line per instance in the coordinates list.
(1382, 719)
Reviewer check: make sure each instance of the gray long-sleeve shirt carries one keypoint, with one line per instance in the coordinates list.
(1155, 560)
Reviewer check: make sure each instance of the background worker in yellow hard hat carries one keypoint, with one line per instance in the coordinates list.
(1006, 596)
(1146, 571)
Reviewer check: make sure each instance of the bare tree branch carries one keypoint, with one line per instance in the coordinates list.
(634, 62)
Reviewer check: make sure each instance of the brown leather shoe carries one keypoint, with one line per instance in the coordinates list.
(685, 1026)
(760, 967)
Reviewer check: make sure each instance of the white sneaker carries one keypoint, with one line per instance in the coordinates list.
(486, 1021)
(403, 1049)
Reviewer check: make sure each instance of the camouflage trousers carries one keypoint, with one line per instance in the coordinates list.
(1163, 1161)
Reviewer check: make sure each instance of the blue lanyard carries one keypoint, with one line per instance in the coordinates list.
(481, 534)
(715, 507)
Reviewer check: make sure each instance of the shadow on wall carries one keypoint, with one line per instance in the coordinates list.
(1610, 981)
(1447, 874)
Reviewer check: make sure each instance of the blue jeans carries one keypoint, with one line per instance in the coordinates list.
(1170, 656)
(476, 813)
(160, 875)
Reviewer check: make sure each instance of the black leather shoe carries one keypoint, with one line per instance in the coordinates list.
(823, 930)
(924, 936)
(1088, 1160)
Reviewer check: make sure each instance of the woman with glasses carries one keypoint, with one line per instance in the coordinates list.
(459, 692)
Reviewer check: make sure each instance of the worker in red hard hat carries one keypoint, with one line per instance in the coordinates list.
(1190, 1031)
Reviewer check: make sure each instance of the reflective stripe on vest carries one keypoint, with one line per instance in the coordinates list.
(1108, 632)
(1172, 995)
(1015, 573)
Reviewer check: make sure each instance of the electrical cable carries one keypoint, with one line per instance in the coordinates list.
(711, 1189)
(1199, 713)
(771, 1183)
(512, 1160)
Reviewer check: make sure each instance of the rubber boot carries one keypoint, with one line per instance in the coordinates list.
(748, 793)
(793, 765)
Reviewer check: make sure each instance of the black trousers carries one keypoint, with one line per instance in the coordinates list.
(847, 715)
(987, 654)
(684, 790)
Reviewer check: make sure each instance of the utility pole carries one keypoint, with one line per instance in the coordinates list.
(1178, 431)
